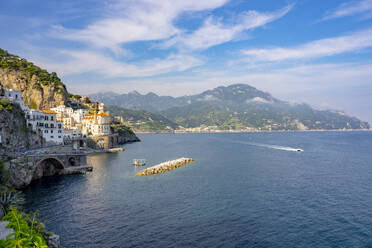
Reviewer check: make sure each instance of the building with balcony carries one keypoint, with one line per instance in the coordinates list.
(45, 121)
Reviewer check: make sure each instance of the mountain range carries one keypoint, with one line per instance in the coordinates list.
(235, 107)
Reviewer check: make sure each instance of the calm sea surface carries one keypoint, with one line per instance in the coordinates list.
(243, 190)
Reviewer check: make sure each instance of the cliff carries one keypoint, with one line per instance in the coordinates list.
(40, 89)
(126, 135)
(14, 133)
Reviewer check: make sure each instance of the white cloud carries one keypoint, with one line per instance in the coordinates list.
(140, 20)
(285, 81)
(323, 86)
(349, 9)
(257, 100)
(214, 31)
(315, 49)
(78, 62)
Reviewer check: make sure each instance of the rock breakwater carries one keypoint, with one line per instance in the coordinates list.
(166, 166)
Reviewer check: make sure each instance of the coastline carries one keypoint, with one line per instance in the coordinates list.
(255, 131)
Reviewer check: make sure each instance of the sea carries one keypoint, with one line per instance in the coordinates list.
(243, 190)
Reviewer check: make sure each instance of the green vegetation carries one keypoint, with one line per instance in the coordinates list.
(9, 198)
(27, 231)
(6, 104)
(143, 121)
(122, 129)
(16, 63)
(72, 96)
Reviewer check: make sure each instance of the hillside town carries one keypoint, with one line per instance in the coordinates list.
(62, 124)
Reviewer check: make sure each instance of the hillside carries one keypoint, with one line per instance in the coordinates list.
(143, 121)
(40, 89)
(136, 101)
(237, 107)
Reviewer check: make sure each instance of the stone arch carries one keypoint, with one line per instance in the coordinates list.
(47, 166)
(72, 161)
(54, 160)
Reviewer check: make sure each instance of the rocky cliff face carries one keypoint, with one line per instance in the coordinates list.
(35, 94)
(125, 134)
(127, 138)
(14, 132)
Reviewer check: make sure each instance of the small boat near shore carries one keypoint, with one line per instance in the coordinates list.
(139, 162)
(299, 150)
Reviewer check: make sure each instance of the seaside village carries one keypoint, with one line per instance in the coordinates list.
(62, 124)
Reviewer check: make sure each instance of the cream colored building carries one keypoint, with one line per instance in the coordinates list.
(68, 123)
(96, 124)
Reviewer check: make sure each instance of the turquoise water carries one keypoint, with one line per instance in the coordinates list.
(243, 190)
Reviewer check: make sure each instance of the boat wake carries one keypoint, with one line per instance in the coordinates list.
(284, 148)
(276, 147)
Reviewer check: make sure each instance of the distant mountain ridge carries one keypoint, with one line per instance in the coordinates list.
(143, 121)
(235, 107)
(155, 103)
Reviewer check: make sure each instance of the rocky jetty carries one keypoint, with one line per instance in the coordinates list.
(166, 166)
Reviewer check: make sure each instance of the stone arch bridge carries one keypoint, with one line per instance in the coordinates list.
(66, 163)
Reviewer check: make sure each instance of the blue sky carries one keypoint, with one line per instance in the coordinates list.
(313, 51)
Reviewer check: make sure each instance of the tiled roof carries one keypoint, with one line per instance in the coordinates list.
(104, 114)
(48, 111)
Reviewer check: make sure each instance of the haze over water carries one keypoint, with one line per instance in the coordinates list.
(243, 190)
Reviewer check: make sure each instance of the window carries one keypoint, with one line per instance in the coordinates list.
(59, 131)
(52, 137)
(46, 118)
(59, 125)
(59, 137)
(51, 131)
(51, 118)
(52, 125)
(45, 131)
(46, 125)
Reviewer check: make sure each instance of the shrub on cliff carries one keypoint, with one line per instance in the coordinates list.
(27, 231)
(10, 198)
(6, 105)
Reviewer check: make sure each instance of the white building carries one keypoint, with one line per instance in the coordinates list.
(46, 122)
(79, 114)
(96, 124)
(15, 96)
(62, 112)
